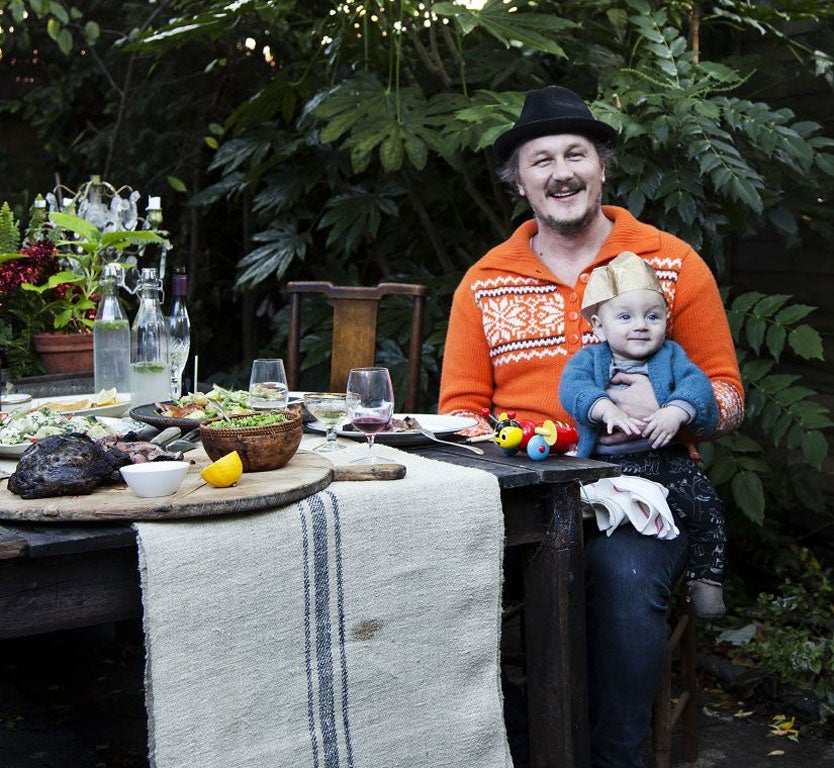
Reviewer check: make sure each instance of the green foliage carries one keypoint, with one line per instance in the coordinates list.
(698, 159)
(69, 309)
(9, 232)
(532, 29)
(793, 637)
(20, 353)
(87, 250)
(784, 422)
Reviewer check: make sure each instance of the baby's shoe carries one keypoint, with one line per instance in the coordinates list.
(707, 599)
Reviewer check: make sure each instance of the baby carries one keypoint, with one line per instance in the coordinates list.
(625, 304)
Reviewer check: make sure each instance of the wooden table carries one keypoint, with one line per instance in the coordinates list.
(56, 577)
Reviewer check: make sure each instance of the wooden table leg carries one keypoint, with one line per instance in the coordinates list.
(554, 598)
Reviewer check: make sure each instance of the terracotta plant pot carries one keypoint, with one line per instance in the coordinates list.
(65, 352)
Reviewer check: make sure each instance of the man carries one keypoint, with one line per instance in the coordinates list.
(516, 320)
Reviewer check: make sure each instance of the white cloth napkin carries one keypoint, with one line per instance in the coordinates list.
(635, 500)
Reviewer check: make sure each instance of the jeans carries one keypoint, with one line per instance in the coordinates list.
(629, 579)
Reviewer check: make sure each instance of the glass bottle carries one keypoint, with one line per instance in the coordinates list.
(150, 377)
(111, 336)
(179, 332)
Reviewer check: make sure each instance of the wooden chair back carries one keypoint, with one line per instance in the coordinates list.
(355, 311)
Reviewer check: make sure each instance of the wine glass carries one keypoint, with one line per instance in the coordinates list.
(329, 408)
(179, 344)
(370, 403)
(268, 385)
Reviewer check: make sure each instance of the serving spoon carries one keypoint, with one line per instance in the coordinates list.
(222, 412)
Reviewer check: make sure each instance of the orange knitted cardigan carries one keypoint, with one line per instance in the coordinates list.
(513, 325)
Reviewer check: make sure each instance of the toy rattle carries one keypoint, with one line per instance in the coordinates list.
(512, 435)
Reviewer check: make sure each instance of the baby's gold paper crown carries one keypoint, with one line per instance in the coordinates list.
(626, 272)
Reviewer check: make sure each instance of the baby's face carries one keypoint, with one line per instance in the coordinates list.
(633, 324)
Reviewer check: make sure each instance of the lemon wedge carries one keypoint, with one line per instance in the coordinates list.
(105, 397)
(224, 472)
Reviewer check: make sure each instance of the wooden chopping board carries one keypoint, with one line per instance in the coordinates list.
(305, 474)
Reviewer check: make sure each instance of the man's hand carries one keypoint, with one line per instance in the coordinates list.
(616, 419)
(638, 402)
(664, 424)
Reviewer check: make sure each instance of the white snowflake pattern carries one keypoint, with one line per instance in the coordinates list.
(504, 318)
(547, 316)
(519, 316)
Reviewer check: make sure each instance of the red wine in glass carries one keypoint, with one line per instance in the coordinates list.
(370, 403)
(368, 424)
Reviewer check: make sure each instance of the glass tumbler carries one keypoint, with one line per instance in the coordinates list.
(268, 385)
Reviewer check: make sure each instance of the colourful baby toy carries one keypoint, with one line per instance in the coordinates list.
(513, 435)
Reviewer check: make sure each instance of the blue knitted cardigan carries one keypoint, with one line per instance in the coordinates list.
(672, 374)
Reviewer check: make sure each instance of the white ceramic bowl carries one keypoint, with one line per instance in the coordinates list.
(155, 478)
(16, 401)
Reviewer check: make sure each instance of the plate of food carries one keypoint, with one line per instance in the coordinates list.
(404, 429)
(105, 403)
(23, 428)
(189, 410)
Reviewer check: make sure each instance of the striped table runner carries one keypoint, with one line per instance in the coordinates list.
(357, 628)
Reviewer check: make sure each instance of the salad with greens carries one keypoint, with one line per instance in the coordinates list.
(200, 406)
(31, 426)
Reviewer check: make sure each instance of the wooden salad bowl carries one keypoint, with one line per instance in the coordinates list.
(260, 448)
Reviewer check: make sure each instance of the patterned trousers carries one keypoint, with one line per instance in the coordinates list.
(692, 500)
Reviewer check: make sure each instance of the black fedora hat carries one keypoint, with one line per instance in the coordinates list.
(550, 110)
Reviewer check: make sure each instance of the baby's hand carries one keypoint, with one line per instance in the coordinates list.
(616, 418)
(664, 424)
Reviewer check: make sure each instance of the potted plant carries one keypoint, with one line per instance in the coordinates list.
(30, 260)
(66, 303)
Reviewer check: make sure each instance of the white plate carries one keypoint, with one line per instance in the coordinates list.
(122, 425)
(119, 408)
(13, 451)
(439, 424)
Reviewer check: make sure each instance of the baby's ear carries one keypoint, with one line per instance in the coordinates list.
(598, 332)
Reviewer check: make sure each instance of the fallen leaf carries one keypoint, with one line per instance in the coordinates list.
(784, 726)
(743, 713)
(775, 752)
(737, 636)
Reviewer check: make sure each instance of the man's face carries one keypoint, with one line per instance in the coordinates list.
(633, 324)
(561, 176)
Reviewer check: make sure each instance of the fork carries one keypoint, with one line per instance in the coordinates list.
(432, 436)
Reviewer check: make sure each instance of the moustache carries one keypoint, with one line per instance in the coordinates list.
(561, 189)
